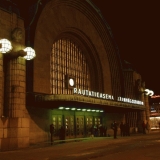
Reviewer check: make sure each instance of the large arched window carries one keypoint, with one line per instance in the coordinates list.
(68, 60)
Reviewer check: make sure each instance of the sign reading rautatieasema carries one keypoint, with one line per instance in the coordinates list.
(104, 96)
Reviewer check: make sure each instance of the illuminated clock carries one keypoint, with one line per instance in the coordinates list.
(71, 82)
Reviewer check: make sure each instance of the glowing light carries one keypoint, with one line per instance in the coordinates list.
(30, 53)
(61, 108)
(6, 46)
(149, 92)
(155, 96)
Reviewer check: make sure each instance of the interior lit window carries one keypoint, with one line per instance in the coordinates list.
(67, 59)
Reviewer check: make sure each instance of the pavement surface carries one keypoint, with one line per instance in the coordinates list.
(134, 147)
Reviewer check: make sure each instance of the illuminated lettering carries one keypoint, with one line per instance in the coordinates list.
(75, 90)
(79, 91)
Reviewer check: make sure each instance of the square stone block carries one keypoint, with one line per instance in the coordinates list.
(5, 144)
(1, 133)
(4, 122)
(25, 122)
(25, 132)
(14, 122)
(5, 132)
(23, 142)
(13, 132)
(13, 143)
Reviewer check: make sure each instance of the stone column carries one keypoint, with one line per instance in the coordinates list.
(15, 88)
(1, 84)
(141, 114)
(147, 109)
(15, 124)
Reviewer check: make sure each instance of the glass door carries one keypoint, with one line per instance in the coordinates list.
(69, 126)
(97, 123)
(89, 125)
(57, 123)
(79, 126)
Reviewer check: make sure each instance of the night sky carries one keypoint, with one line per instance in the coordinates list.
(135, 25)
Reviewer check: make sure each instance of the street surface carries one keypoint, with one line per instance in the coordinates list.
(136, 146)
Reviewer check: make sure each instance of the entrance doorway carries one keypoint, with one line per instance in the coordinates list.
(75, 126)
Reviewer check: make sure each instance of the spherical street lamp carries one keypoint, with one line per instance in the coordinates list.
(5, 46)
(30, 53)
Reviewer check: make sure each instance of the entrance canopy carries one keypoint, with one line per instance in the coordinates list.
(78, 101)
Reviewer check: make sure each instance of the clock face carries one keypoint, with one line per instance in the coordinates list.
(71, 82)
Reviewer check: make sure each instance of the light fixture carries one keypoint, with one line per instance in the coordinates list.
(71, 82)
(30, 53)
(5, 46)
(149, 92)
(61, 108)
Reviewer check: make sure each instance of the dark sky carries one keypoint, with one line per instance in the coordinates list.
(135, 26)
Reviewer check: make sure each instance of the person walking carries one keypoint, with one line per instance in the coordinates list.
(115, 129)
(122, 129)
(144, 127)
(51, 132)
(148, 127)
(62, 134)
(127, 129)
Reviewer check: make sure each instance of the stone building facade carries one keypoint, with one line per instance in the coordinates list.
(77, 79)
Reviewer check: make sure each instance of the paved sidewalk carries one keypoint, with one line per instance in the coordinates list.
(56, 142)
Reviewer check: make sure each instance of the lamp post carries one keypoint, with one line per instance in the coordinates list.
(15, 54)
(147, 94)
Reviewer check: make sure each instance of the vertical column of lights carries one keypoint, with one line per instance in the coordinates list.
(58, 67)
(52, 69)
(69, 61)
(56, 76)
(63, 65)
(62, 85)
(59, 70)
(80, 73)
(131, 87)
(78, 70)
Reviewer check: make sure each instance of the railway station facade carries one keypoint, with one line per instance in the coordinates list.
(77, 79)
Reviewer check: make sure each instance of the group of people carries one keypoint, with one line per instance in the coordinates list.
(100, 130)
(61, 133)
(124, 129)
(145, 126)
